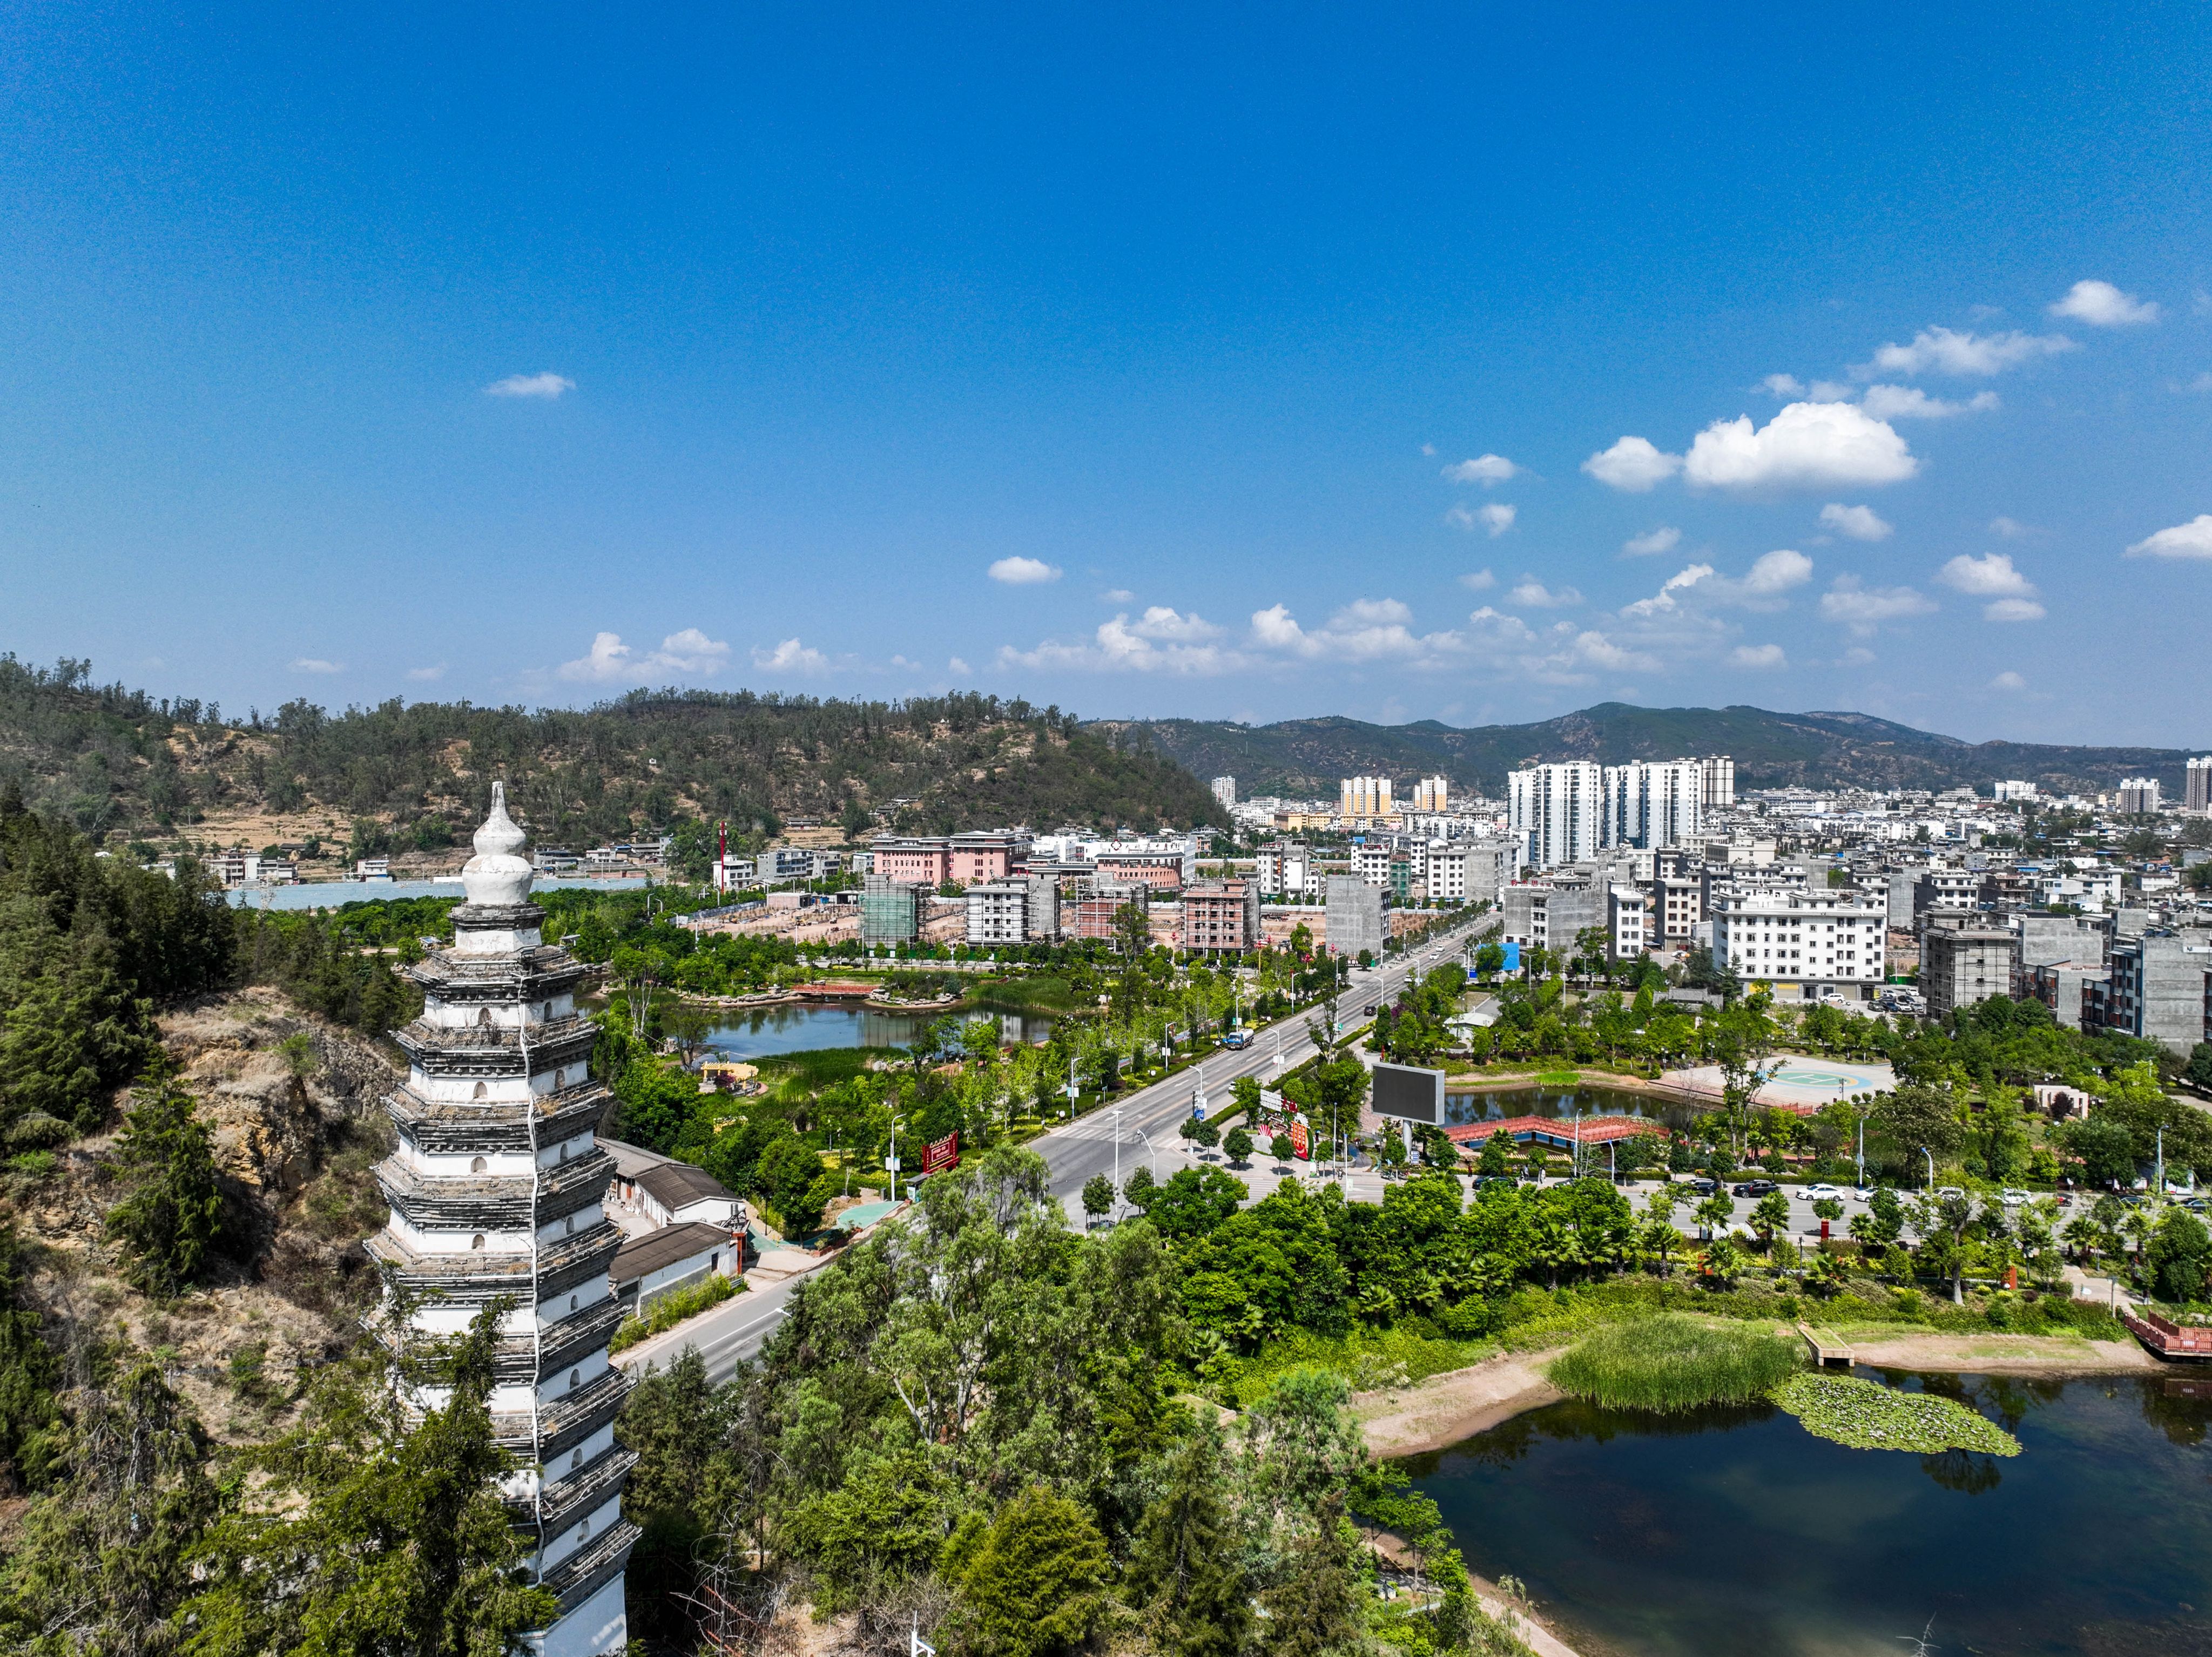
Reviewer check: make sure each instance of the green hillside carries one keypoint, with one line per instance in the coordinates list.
(1306, 757)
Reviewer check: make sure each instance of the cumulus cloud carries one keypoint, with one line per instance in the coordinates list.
(1943, 350)
(2013, 609)
(316, 664)
(1781, 385)
(1771, 576)
(1365, 630)
(545, 387)
(422, 674)
(2007, 680)
(1862, 609)
(1480, 580)
(1496, 518)
(2190, 540)
(1159, 622)
(1991, 576)
(2103, 306)
(1533, 594)
(790, 657)
(957, 666)
(1662, 539)
(686, 654)
(1911, 403)
(1859, 523)
(1669, 594)
(1805, 446)
(1024, 572)
(1633, 465)
(1487, 470)
(1757, 656)
(1117, 596)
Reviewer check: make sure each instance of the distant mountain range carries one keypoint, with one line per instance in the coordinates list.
(1304, 758)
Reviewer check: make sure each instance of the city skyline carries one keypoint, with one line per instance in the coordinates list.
(1155, 367)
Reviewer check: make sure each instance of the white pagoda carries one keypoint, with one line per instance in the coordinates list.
(495, 1190)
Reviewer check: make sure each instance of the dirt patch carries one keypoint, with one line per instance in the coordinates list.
(1447, 1408)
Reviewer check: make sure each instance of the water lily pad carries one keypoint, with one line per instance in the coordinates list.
(1869, 1416)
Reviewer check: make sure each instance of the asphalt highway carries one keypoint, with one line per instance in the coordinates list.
(734, 1331)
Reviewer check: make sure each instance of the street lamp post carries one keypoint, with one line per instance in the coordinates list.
(1930, 1156)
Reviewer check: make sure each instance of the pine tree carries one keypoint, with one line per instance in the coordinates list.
(1185, 1576)
(1314, 1611)
(1033, 1586)
(171, 1216)
(373, 1533)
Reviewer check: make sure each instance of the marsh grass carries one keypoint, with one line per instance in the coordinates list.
(812, 1069)
(1368, 1360)
(1670, 1363)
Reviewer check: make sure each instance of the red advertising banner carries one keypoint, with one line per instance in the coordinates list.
(942, 1154)
(1301, 1141)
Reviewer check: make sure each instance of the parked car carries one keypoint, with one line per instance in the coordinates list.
(2011, 1197)
(1949, 1190)
(1704, 1187)
(1821, 1189)
(1755, 1188)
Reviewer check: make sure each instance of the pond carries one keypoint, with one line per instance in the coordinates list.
(1734, 1532)
(1494, 1104)
(799, 1027)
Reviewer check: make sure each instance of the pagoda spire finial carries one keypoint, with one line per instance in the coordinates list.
(495, 875)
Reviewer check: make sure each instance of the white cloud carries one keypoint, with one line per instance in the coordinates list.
(1757, 656)
(1781, 385)
(1662, 539)
(1533, 594)
(1496, 630)
(1480, 580)
(1666, 598)
(2014, 610)
(316, 664)
(1951, 353)
(2190, 540)
(1366, 630)
(1805, 445)
(2103, 306)
(1487, 470)
(422, 674)
(1633, 465)
(790, 657)
(686, 654)
(1864, 608)
(956, 665)
(1991, 576)
(1496, 518)
(546, 387)
(1024, 572)
(1911, 403)
(2007, 680)
(1773, 574)
(1118, 596)
(2011, 528)
(1161, 623)
(1859, 523)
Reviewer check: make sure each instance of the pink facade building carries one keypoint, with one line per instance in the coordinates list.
(971, 859)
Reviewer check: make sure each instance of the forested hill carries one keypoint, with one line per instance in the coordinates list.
(113, 760)
(1306, 757)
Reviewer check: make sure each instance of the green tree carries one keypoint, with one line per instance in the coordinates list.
(2178, 1256)
(369, 1534)
(102, 1564)
(792, 1181)
(1315, 1610)
(1193, 1201)
(1140, 1188)
(30, 1416)
(1098, 1196)
(170, 1215)
(1186, 1576)
(1034, 1583)
(1282, 1148)
(1496, 1160)
(1237, 1142)
(1882, 1221)
(1770, 1215)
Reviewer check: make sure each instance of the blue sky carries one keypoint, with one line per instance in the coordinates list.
(1409, 362)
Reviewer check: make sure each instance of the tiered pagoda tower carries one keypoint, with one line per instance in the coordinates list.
(495, 1190)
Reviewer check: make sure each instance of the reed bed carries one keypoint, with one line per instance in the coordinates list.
(1672, 1362)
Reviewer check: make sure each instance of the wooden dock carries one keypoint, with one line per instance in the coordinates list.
(2167, 1339)
(1828, 1347)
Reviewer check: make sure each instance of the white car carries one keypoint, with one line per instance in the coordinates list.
(1817, 1191)
(2011, 1197)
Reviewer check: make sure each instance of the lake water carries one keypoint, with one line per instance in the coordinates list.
(797, 1027)
(1734, 1532)
(330, 893)
(1494, 1104)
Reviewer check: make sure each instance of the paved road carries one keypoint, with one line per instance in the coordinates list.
(734, 1331)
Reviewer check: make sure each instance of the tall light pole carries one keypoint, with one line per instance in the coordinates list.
(1118, 1162)
(1930, 1156)
(891, 1161)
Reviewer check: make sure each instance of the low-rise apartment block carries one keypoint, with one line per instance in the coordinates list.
(1808, 944)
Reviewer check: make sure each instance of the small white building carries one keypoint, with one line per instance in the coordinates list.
(675, 1257)
(1808, 944)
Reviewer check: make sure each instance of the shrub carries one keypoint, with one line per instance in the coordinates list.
(1674, 1362)
(671, 1309)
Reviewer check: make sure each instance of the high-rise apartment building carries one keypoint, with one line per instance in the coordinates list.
(2138, 797)
(1225, 789)
(1364, 797)
(1719, 780)
(1431, 793)
(2196, 790)
(1557, 811)
(1653, 803)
